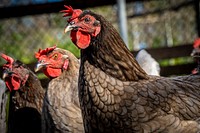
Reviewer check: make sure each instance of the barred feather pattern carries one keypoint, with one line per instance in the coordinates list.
(155, 105)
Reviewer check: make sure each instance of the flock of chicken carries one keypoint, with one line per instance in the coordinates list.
(107, 91)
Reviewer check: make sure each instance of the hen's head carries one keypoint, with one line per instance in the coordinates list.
(196, 50)
(52, 61)
(15, 73)
(83, 25)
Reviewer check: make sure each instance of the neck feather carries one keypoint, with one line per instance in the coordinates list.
(108, 52)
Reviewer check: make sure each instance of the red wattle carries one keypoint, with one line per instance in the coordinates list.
(73, 36)
(65, 65)
(13, 83)
(52, 73)
(81, 39)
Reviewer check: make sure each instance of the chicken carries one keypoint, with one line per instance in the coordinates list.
(196, 55)
(61, 110)
(148, 63)
(116, 95)
(26, 97)
(3, 104)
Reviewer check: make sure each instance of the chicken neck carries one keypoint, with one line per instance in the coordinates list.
(108, 52)
(29, 95)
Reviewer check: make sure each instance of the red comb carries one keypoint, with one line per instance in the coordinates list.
(74, 13)
(8, 59)
(67, 12)
(44, 52)
(196, 43)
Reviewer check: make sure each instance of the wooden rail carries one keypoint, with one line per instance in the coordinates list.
(173, 52)
(169, 52)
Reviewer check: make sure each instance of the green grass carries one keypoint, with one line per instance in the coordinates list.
(175, 61)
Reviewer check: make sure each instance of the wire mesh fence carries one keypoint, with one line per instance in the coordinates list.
(21, 37)
(162, 23)
(151, 24)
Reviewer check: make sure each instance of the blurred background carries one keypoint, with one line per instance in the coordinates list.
(166, 28)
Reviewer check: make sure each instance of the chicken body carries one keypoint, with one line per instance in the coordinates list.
(116, 95)
(153, 105)
(61, 110)
(26, 98)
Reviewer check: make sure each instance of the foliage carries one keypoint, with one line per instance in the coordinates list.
(175, 61)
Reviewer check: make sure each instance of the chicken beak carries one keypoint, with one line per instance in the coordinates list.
(39, 66)
(70, 27)
(6, 73)
(195, 53)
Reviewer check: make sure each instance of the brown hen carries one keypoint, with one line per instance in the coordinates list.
(61, 110)
(26, 97)
(116, 95)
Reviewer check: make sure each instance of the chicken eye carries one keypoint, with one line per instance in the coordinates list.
(72, 22)
(55, 56)
(87, 19)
